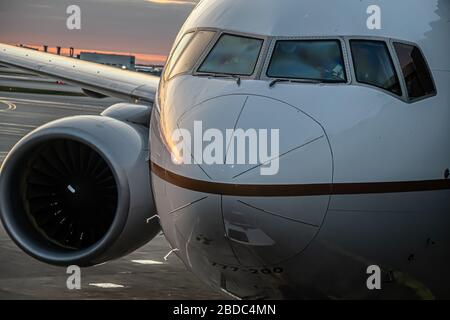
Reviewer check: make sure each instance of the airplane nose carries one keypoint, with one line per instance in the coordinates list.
(235, 213)
(301, 148)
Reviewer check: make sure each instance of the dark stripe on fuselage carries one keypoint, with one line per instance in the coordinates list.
(294, 190)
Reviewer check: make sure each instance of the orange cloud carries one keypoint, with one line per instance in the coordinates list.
(182, 2)
(142, 58)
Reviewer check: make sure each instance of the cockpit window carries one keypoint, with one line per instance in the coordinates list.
(320, 60)
(192, 53)
(419, 82)
(235, 55)
(176, 53)
(373, 65)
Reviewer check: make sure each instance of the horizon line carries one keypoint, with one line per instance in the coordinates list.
(141, 58)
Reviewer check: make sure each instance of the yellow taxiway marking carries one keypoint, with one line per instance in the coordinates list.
(54, 103)
(11, 106)
(147, 262)
(106, 285)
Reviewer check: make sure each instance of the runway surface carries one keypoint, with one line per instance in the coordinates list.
(142, 275)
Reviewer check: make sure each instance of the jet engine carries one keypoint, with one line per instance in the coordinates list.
(78, 190)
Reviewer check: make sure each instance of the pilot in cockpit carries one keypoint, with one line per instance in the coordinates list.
(319, 60)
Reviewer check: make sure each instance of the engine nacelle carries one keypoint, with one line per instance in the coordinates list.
(78, 190)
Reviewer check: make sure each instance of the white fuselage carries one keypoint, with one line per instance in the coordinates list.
(362, 172)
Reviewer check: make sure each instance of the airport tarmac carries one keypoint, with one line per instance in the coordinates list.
(141, 275)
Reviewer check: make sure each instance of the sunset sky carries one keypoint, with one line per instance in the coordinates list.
(145, 28)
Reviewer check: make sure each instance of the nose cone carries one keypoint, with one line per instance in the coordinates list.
(302, 148)
(230, 213)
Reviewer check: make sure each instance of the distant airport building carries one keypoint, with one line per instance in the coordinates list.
(26, 47)
(151, 69)
(115, 60)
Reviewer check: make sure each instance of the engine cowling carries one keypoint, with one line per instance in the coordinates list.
(78, 190)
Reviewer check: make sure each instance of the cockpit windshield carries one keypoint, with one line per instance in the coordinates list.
(320, 60)
(192, 53)
(176, 53)
(234, 55)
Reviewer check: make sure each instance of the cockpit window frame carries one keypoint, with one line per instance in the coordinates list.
(169, 65)
(194, 32)
(343, 47)
(394, 60)
(398, 65)
(214, 42)
(391, 61)
(268, 47)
